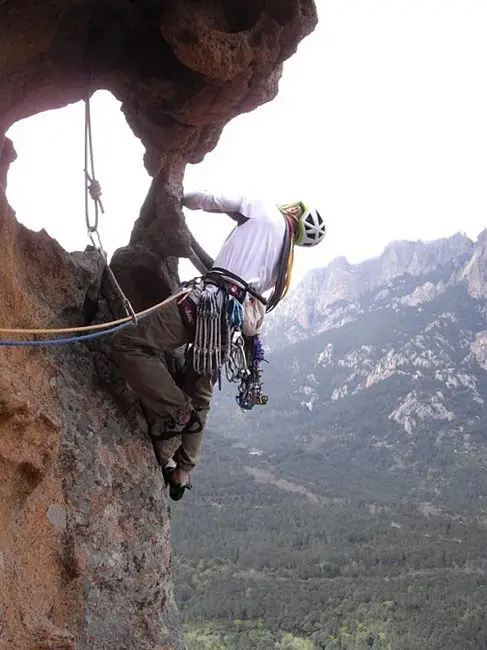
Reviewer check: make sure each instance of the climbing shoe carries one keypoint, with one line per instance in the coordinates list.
(176, 490)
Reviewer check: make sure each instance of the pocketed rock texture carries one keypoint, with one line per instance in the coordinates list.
(85, 547)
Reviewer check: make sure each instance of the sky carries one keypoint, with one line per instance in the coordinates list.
(380, 122)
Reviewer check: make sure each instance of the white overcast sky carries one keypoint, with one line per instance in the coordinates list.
(381, 121)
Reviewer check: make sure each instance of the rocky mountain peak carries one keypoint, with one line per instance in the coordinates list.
(418, 257)
(331, 296)
(475, 271)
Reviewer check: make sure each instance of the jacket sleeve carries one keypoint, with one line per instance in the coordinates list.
(212, 202)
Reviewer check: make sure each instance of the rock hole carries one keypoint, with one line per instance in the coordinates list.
(45, 184)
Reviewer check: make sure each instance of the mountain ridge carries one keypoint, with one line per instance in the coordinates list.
(329, 297)
(395, 375)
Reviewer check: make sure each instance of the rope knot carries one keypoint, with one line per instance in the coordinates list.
(94, 188)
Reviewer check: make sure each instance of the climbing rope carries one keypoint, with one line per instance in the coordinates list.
(108, 328)
(62, 341)
(93, 190)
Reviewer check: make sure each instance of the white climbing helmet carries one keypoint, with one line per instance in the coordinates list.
(311, 227)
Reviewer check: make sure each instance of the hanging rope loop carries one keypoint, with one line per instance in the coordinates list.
(93, 191)
(93, 187)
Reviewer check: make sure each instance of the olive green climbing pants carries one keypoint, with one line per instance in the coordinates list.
(139, 351)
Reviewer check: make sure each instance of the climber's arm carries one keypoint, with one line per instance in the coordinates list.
(212, 202)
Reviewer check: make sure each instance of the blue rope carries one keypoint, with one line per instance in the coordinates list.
(62, 341)
(235, 313)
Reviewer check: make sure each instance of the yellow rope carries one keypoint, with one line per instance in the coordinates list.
(289, 270)
(98, 326)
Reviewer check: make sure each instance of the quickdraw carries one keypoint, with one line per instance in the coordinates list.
(236, 366)
(207, 349)
(218, 317)
(250, 389)
(219, 341)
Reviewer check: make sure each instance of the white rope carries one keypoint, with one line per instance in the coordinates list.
(93, 190)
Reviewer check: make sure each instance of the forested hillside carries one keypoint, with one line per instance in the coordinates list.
(351, 511)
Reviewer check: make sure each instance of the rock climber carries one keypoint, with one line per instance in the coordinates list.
(255, 258)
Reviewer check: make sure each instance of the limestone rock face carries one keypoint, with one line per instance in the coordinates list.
(475, 272)
(84, 521)
(479, 349)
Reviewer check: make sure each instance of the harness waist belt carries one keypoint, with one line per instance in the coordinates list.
(233, 283)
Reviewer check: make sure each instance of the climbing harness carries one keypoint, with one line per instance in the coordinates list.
(219, 341)
(219, 315)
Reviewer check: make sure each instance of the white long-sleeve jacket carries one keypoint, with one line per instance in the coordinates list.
(253, 250)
